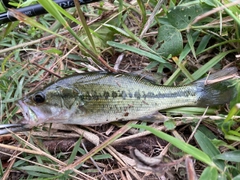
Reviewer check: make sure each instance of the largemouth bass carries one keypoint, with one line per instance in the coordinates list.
(100, 97)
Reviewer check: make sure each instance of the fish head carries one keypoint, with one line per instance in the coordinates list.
(52, 104)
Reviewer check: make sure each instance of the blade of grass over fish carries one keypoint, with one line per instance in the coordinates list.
(84, 24)
(191, 110)
(206, 67)
(193, 151)
(136, 50)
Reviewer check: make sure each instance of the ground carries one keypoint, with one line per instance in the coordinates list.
(173, 43)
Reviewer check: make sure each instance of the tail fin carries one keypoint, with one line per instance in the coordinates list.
(218, 88)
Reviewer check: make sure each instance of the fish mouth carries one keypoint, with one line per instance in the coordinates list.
(29, 115)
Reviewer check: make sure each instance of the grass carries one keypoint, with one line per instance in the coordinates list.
(180, 40)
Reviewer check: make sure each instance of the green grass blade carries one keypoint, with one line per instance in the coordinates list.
(191, 44)
(219, 45)
(209, 173)
(141, 42)
(173, 77)
(187, 48)
(205, 144)
(85, 26)
(34, 23)
(68, 15)
(143, 11)
(183, 69)
(236, 177)
(206, 67)
(235, 109)
(44, 171)
(208, 147)
(203, 43)
(74, 151)
(230, 13)
(229, 122)
(120, 8)
(136, 50)
(191, 110)
(233, 156)
(117, 29)
(193, 151)
(52, 8)
(1, 168)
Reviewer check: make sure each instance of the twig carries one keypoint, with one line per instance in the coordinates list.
(95, 164)
(198, 18)
(38, 41)
(151, 18)
(195, 129)
(51, 72)
(118, 133)
(40, 165)
(118, 61)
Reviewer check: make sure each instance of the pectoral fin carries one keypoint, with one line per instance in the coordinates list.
(156, 116)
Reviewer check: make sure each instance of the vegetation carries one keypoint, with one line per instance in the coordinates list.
(181, 41)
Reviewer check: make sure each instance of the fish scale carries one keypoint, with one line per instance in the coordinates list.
(134, 91)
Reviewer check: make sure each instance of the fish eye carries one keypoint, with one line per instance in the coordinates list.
(39, 98)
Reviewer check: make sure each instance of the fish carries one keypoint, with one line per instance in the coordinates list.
(95, 98)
